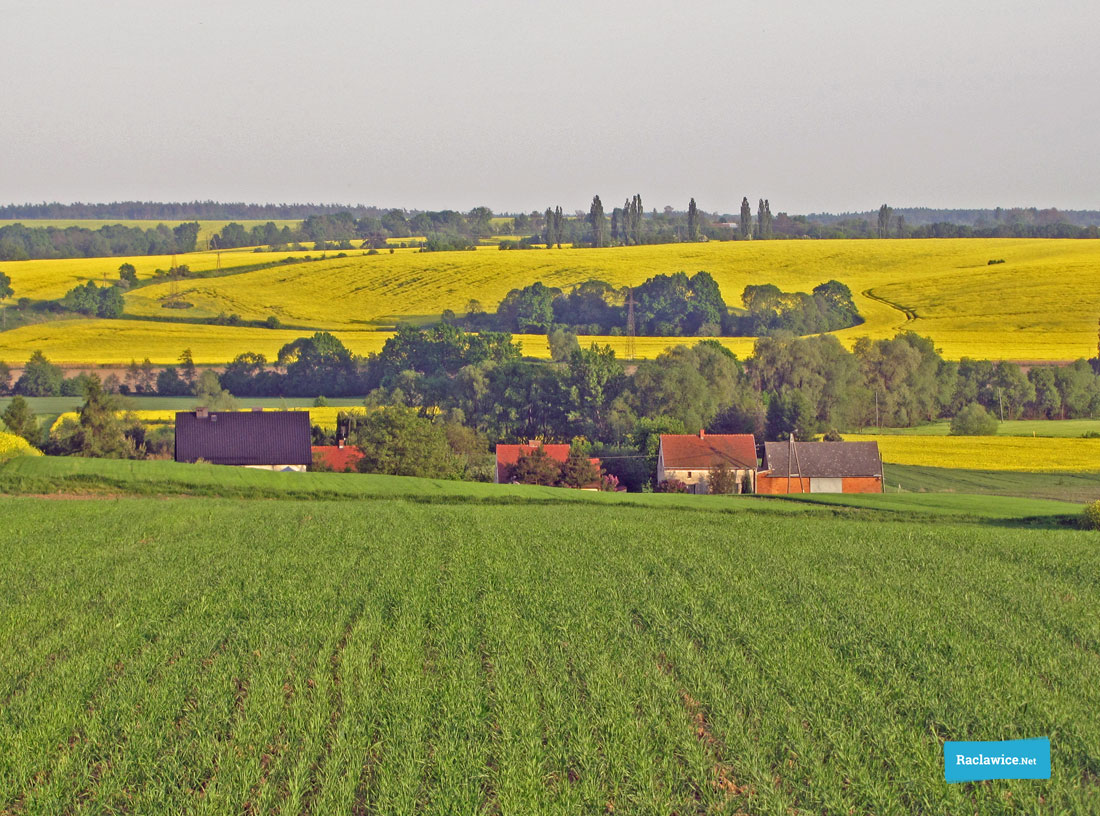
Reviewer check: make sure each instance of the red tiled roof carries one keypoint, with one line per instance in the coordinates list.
(509, 455)
(692, 452)
(337, 458)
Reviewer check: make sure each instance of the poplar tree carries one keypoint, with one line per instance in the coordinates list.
(599, 223)
(693, 221)
(549, 228)
(746, 218)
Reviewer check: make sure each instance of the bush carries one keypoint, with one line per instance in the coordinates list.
(973, 420)
(672, 486)
(1090, 519)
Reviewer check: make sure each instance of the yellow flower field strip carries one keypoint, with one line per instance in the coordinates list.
(1019, 453)
(324, 416)
(12, 445)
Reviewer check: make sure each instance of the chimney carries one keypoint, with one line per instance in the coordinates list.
(702, 434)
(340, 443)
(201, 413)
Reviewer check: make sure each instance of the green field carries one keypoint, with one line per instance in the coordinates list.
(449, 648)
(1010, 427)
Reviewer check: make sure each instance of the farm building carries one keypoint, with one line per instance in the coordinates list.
(508, 455)
(267, 440)
(690, 458)
(820, 467)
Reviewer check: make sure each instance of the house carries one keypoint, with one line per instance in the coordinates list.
(820, 467)
(508, 455)
(268, 440)
(341, 457)
(689, 458)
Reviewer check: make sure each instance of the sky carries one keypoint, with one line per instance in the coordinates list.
(517, 105)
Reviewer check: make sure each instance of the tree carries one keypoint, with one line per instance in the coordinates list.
(598, 221)
(397, 442)
(536, 468)
(169, 383)
(40, 378)
(128, 274)
(885, 215)
(187, 366)
(210, 394)
(20, 421)
(791, 412)
(562, 344)
(746, 218)
(578, 470)
(5, 287)
(973, 420)
(722, 479)
(5, 378)
(693, 221)
(100, 432)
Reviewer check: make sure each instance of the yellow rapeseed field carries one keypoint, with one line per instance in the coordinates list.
(324, 416)
(1020, 453)
(12, 445)
(116, 342)
(1041, 304)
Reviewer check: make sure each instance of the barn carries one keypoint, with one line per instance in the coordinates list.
(820, 467)
(689, 458)
(267, 440)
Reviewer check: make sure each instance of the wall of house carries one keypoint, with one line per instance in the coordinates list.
(696, 480)
(773, 485)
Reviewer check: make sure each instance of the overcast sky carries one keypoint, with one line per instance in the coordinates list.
(816, 106)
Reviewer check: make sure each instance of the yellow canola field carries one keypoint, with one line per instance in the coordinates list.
(49, 279)
(324, 416)
(12, 445)
(1041, 304)
(1020, 453)
(117, 342)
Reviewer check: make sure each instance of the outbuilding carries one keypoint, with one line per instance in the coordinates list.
(820, 467)
(267, 440)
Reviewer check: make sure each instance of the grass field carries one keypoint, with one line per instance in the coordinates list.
(453, 652)
(1018, 453)
(1044, 310)
(1010, 427)
(1070, 487)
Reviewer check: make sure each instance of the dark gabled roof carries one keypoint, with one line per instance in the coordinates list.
(693, 452)
(824, 459)
(244, 437)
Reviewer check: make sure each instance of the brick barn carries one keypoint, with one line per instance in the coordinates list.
(266, 440)
(689, 458)
(820, 467)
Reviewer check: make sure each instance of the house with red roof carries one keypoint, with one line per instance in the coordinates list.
(509, 455)
(341, 457)
(689, 458)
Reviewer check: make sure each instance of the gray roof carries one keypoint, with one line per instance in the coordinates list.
(824, 459)
(244, 437)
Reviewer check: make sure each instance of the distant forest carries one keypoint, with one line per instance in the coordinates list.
(335, 226)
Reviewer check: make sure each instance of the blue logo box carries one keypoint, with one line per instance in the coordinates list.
(1010, 759)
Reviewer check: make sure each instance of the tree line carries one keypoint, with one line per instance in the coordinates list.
(481, 383)
(675, 305)
(19, 242)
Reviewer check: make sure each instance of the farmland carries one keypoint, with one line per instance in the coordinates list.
(1015, 453)
(206, 227)
(452, 654)
(1045, 306)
